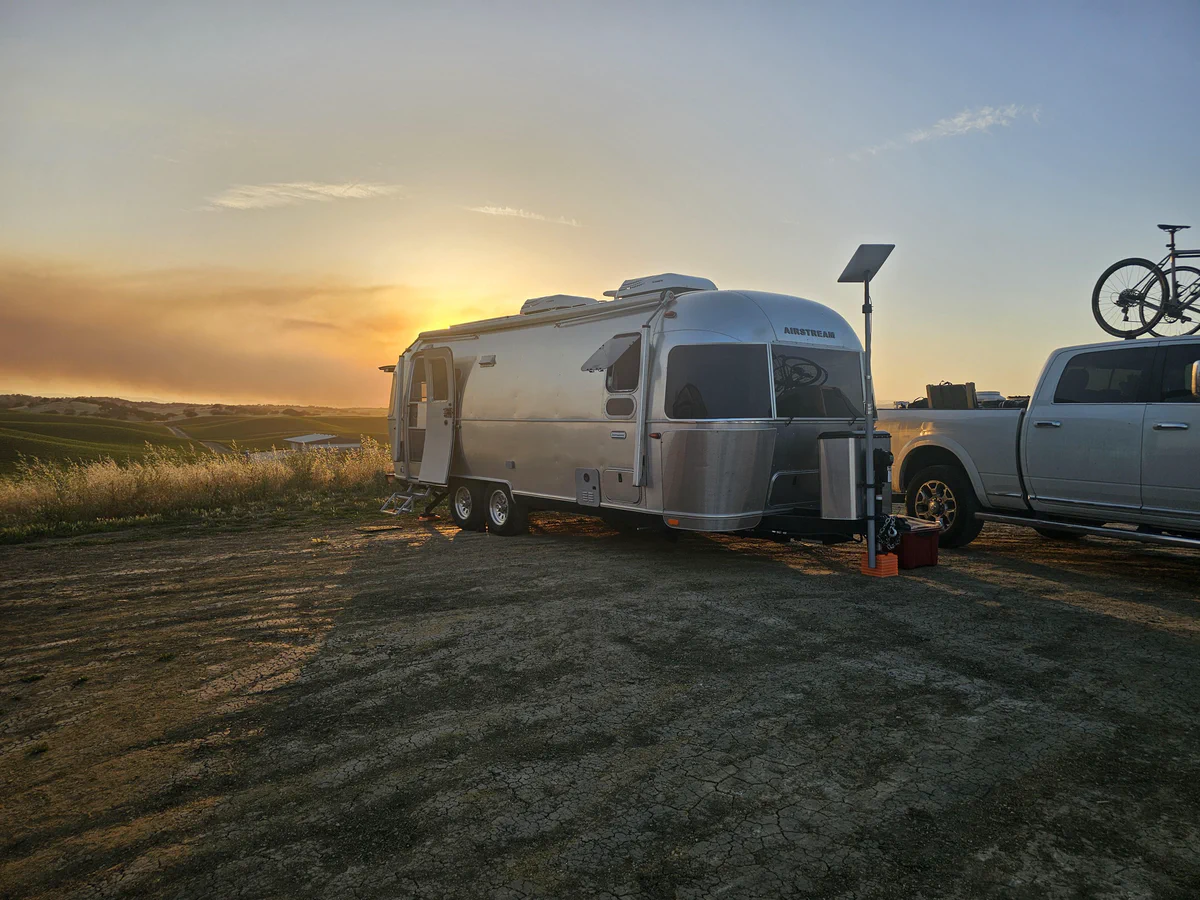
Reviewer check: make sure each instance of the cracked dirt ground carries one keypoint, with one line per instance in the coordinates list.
(372, 709)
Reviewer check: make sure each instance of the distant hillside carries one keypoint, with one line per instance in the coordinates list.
(56, 437)
(153, 411)
(58, 429)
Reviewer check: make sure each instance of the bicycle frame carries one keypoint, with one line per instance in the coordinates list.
(1167, 264)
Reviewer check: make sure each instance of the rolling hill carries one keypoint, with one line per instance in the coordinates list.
(60, 438)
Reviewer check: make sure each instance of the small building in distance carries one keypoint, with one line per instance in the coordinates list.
(321, 442)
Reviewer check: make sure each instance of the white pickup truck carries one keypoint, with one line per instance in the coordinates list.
(1111, 437)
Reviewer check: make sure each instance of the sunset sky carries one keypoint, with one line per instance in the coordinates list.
(253, 201)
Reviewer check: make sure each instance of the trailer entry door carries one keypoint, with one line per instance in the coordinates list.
(439, 416)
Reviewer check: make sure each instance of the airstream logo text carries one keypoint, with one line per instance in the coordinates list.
(810, 332)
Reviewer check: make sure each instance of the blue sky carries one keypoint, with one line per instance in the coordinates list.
(331, 179)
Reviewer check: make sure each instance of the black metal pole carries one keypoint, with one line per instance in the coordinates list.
(869, 403)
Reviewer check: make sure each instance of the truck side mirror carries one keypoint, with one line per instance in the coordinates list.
(1194, 378)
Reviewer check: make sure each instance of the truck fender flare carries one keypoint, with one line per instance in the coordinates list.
(951, 446)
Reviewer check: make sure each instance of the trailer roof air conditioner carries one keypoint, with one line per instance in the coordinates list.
(554, 301)
(652, 284)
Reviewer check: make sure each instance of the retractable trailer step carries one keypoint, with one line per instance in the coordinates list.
(405, 500)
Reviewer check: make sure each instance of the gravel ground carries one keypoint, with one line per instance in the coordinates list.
(379, 709)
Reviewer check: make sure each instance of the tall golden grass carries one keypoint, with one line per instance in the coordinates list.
(165, 482)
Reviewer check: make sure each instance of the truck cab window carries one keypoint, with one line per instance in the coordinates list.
(622, 375)
(1106, 376)
(718, 381)
(817, 383)
(1176, 383)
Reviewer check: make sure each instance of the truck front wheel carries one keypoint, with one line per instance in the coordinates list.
(943, 494)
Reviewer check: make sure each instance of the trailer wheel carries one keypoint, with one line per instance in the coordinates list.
(504, 515)
(943, 494)
(466, 505)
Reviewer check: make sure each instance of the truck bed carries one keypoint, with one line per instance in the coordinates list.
(986, 439)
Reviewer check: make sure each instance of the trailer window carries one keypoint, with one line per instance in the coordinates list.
(437, 375)
(718, 381)
(417, 393)
(1107, 376)
(817, 383)
(622, 375)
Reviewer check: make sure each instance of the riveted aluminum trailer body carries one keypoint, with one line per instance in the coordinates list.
(703, 407)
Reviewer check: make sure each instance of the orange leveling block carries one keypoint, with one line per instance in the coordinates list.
(886, 565)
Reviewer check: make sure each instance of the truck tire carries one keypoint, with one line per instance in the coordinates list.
(943, 494)
(466, 505)
(1055, 534)
(504, 515)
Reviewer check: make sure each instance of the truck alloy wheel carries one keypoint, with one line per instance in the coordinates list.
(936, 503)
(943, 494)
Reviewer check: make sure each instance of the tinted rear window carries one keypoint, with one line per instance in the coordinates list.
(1106, 376)
(718, 381)
(1177, 382)
(817, 383)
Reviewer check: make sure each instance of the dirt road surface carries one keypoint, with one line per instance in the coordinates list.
(379, 709)
(214, 446)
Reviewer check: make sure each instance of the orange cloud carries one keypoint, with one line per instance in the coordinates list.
(207, 333)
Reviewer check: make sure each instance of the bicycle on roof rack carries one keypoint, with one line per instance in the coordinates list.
(1136, 296)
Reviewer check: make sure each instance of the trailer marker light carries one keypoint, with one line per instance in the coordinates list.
(670, 314)
(657, 435)
(672, 522)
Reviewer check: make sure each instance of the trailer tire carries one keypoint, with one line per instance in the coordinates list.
(944, 494)
(466, 505)
(504, 515)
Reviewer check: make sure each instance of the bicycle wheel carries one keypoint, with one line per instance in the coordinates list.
(1182, 315)
(1122, 292)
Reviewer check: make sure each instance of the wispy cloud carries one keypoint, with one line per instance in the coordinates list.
(966, 122)
(523, 214)
(291, 193)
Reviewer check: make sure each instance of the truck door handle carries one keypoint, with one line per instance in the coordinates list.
(1171, 426)
(1047, 424)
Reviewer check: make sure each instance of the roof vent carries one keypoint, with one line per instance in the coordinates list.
(554, 301)
(655, 283)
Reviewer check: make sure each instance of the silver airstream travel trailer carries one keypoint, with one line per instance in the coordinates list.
(672, 403)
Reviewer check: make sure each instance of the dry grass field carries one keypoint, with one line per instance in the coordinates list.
(56, 498)
(387, 708)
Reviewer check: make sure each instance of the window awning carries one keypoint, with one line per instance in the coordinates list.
(609, 352)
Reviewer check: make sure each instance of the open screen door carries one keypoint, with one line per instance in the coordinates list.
(438, 415)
